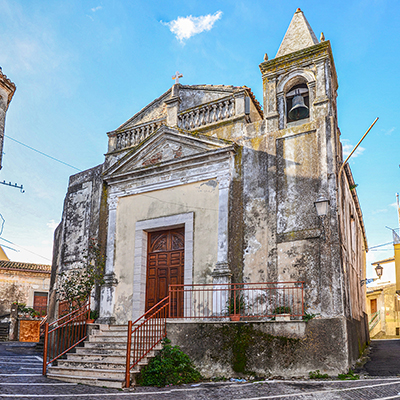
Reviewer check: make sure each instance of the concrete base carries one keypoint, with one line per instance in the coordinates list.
(286, 349)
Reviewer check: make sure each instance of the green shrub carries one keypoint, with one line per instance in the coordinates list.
(308, 317)
(350, 376)
(171, 366)
(317, 375)
(282, 310)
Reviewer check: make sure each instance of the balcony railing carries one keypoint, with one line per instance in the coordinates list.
(207, 114)
(237, 300)
(135, 135)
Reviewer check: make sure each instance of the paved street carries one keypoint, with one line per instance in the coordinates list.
(20, 378)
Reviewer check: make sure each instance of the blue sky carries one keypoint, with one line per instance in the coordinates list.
(82, 68)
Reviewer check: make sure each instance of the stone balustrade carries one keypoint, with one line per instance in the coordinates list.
(135, 135)
(207, 114)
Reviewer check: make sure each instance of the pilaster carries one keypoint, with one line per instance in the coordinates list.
(173, 106)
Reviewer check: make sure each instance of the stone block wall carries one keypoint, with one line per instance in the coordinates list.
(262, 349)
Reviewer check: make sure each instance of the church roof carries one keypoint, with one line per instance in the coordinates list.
(25, 267)
(156, 111)
(298, 36)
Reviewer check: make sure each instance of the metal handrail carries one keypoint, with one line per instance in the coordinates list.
(147, 331)
(237, 300)
(375, 317)
(64, 334)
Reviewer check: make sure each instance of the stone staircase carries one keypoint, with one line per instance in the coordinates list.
(101, 362)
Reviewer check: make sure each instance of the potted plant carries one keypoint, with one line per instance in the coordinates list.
(235, 306)
(93, 315)
(282, 313)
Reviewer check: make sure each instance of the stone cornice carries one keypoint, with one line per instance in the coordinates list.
(182, 163)
(8, 85)
(317, 52)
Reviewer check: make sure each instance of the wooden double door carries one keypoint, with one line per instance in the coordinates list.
(165, 264)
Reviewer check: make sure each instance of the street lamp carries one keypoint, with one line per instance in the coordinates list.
(321, 204)
(379, 271)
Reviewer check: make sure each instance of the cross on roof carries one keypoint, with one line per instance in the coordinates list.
(176, 77)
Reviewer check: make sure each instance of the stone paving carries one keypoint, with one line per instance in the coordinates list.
(21, 366)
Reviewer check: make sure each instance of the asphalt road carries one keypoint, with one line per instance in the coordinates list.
(385, 358)
(20, 378)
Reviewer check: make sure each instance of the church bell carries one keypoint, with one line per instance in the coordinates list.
(299, 110)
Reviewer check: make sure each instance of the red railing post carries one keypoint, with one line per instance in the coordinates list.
(169, 301)
(46, 342)
(234, 299)
(128, 356)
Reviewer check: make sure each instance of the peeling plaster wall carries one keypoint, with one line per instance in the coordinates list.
(202, 198)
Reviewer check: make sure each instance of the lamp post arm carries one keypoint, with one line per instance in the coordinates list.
(355, 148)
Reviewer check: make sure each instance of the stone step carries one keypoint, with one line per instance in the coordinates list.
(103, 365)
(89, 364)
(115, 383)
(115, 338)
(111, 374)
(98, 332)
(110, 357)
(106, 351)
(106, 345)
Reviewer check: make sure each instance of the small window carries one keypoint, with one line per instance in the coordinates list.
(297, 103)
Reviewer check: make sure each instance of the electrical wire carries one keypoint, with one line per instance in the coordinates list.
(43, 154)
(14, 244)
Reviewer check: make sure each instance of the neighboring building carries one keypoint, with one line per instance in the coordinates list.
(383, 299)
(3, 255)
(24, 283)
(383, 308)
(7, 89)
(202, 186)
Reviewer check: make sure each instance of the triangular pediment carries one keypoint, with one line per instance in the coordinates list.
(298, 36)
(165, 146)
(154, 111)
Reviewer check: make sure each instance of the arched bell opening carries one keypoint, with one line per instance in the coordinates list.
(297, 103)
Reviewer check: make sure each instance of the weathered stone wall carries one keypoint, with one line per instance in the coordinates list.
(80, 222)
(7, 89)
(286, 349)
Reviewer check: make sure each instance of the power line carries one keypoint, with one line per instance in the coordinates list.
(43, 154)
(380, 245)
(14, 244)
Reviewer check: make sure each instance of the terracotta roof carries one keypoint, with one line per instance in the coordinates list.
(25, 267)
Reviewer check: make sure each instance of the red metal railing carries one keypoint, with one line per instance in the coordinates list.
(144, 334)
(43, 326)
(64, 334)
(236, 300)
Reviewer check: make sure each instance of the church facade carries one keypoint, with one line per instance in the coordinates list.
(226, 190)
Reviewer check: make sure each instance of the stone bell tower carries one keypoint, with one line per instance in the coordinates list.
(7, 89)
(300, 86)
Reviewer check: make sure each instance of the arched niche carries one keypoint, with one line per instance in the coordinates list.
(297, 82)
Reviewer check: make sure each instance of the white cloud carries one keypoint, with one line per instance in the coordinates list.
(390, 131)
(52, 224)
(394, 204)
(94, 9)
(348, 147)
(186, 27)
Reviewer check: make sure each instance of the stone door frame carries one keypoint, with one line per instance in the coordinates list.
(185, 220)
